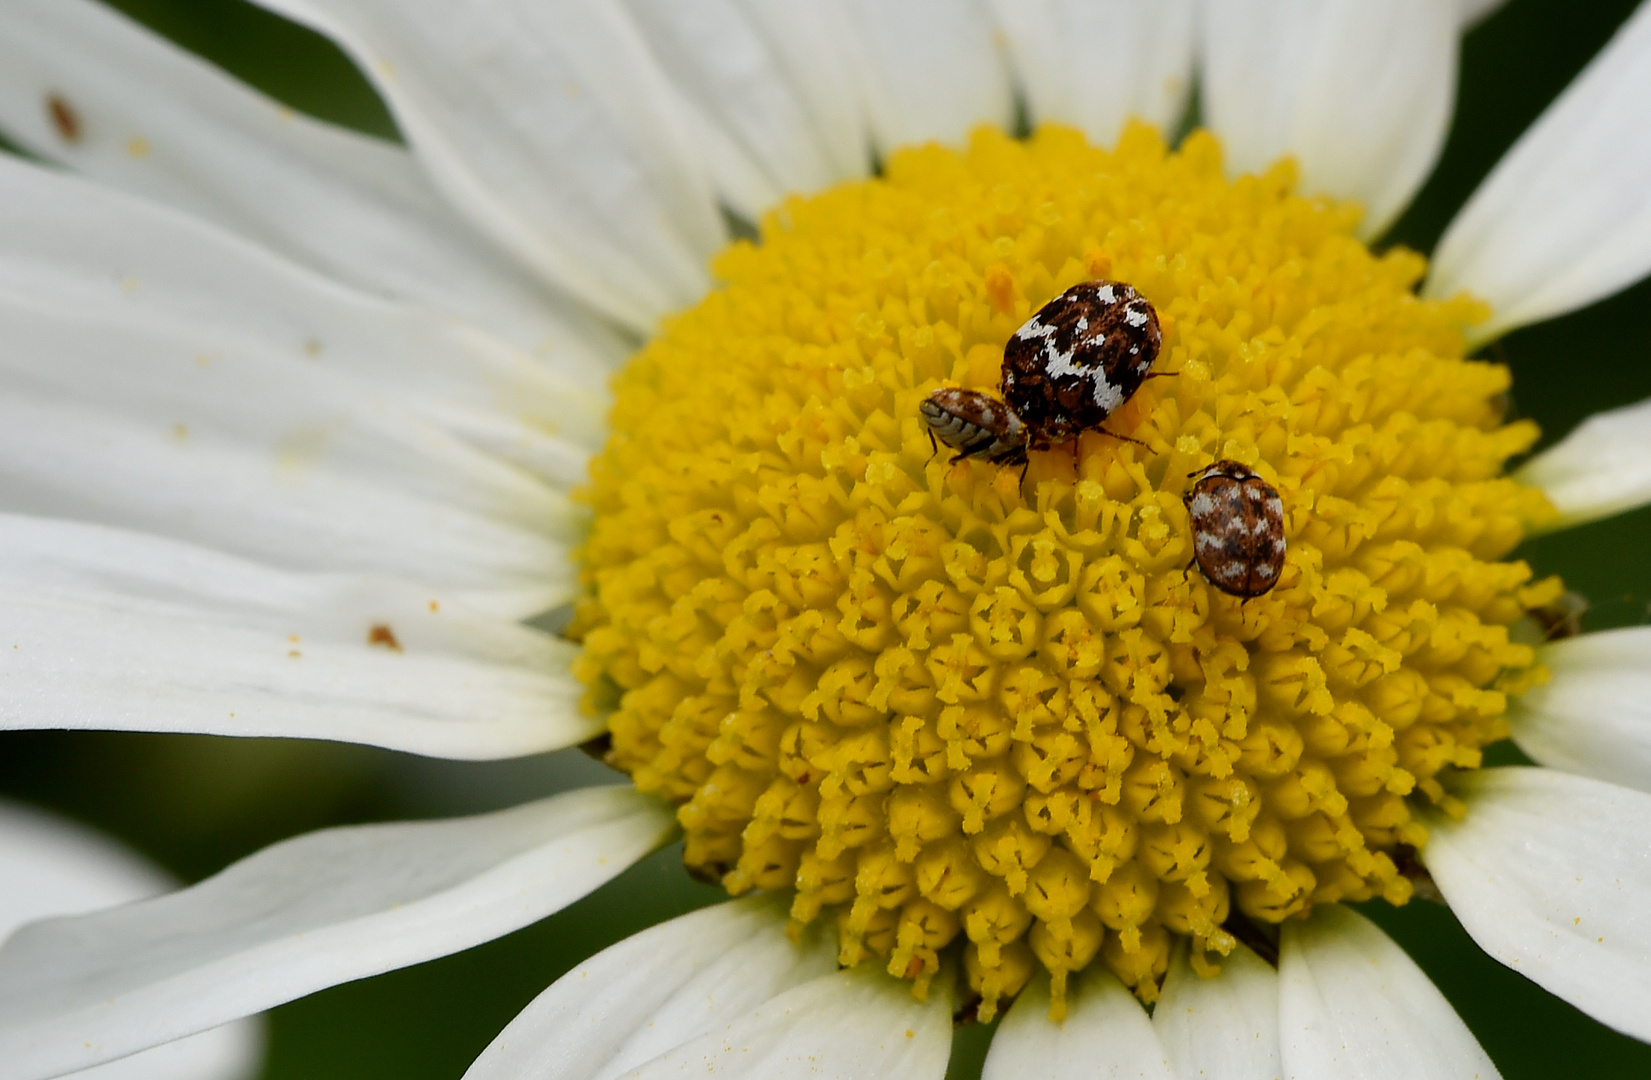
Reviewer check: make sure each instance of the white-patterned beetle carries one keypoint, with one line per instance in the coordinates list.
(1237, 529)
(1080, 357)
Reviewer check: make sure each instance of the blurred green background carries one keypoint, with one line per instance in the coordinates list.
(196, 804)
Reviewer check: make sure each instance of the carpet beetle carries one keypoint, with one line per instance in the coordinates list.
(1080, 357)
(975, 425)
(1237, 529)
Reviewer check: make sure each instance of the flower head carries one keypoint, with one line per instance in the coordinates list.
(944, 701)
(977, 740)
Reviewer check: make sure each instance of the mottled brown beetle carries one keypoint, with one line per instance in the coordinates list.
(1237, 529)
(975, 425)
(1081, 356)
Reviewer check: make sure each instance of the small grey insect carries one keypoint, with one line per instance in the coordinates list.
(975, 425)
(1237, 529)
(1562, 618)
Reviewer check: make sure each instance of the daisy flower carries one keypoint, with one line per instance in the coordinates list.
(301, 428)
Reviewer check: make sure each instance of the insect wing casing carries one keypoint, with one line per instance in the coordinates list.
(1237, 529)
(1079, 358)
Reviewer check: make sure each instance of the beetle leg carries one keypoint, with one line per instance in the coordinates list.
(1121, 438)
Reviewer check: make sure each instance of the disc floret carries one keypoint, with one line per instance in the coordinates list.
(953, 711)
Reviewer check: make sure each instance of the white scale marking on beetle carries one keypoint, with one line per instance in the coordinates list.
(1062, 364)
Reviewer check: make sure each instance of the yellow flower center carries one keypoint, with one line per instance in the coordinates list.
(961, 711)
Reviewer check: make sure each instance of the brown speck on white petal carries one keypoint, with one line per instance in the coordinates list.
(382, 636)
(65, 119)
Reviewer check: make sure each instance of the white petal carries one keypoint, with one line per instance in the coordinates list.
(50, 866)
(230, 1052)
(552, 128)
(1476, 11)
(853, 1023)
(1106, 1035)
(814, 44)
(104, 629)
(1594, 717)
(1565, 217)
(208, 412)
(75, 245)
(1601, 468)
(355, 208)
(1146, 72)
(1360, 93)
(1353, 1006)
(116, 421)
(655, 991)
(759, 127)
(1550, 872)
(929, 69)
(304, 914)
(1224, 1028)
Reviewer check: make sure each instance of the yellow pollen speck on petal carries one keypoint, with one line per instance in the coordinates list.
(137, 146)
(989, 726)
